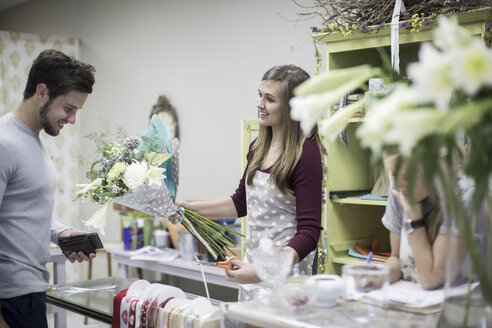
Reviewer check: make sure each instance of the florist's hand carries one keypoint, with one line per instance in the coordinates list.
(242, 272)
(76, 256)
(175, 218)
(412, 211)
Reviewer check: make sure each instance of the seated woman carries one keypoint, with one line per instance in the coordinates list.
(418, 232)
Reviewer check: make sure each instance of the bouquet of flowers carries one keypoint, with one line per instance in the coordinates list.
(142, 173)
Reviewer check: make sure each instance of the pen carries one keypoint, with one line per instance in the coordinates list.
(369, 259)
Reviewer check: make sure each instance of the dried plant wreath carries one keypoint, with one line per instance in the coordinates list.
(349, 16)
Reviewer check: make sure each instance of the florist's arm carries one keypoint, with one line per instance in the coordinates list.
(430, 259)
(218, 209)
(393, 263)
(223, 208)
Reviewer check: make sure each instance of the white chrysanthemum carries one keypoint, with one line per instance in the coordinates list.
(136, 175)
(473, 67)
(155, 175)
(432, 77)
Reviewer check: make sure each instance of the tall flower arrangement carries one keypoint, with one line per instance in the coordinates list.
(449, 99)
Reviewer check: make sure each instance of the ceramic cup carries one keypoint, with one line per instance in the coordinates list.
(161, 239)
(330, 288)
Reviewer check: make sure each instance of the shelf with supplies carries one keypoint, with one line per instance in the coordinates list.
(357, 198)
(359, 201)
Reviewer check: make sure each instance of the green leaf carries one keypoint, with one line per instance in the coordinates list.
(464, 117)
(157, 159)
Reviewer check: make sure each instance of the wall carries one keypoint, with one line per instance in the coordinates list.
(206, 56)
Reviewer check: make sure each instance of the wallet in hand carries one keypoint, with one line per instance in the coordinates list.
(87, 243)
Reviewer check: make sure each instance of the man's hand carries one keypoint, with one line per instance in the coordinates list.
(76, 256)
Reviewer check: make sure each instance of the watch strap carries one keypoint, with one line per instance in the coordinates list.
(417, 223)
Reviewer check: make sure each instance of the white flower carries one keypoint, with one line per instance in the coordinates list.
(315, 97)
(155, 175)
(307, 110)
(411, 126)
(473, 67)
(380, 117)
(136, 175)
(98, 219)
(449, 34)
(332, 126)
(87, 187)
(432, 77)
(114, 189)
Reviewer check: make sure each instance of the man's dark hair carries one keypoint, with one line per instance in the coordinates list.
(60, 73)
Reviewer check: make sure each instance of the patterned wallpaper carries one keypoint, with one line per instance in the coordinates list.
(17, 51)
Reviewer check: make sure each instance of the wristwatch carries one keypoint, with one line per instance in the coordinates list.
(410, 225)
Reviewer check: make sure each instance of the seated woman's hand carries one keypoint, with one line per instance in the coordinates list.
(242, 272)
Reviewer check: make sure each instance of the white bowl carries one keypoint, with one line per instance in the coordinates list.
(330, 288)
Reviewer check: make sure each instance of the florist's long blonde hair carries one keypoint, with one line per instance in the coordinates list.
(293, 138)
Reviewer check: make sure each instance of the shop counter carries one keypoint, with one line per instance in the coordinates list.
(255, 313)
(176, 267)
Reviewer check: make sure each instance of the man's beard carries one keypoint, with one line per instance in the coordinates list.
(43, 111)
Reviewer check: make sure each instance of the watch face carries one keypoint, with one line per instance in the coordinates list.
(169, 120)
(407, 225)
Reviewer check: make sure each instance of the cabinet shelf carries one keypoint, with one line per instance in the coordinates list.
(358, 201)
(345, 259)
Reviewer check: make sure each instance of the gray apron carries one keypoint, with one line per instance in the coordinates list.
(271, 214)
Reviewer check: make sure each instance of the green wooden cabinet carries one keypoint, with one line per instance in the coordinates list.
(350, 220)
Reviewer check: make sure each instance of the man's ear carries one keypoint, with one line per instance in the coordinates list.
(42, 92)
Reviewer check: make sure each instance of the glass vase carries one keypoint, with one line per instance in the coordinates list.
(472, 306)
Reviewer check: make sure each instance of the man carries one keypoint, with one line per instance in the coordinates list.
(57, 87)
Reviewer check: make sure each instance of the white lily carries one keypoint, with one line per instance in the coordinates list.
(449, 34)
(411, 126)
(87, 187)
(308, 110)
(98, 219)
(473, 67)
(432, 77)
(332, 126)
(155, 175)
(380, 116)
